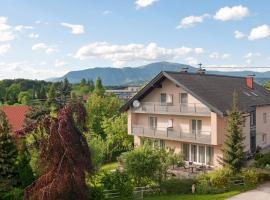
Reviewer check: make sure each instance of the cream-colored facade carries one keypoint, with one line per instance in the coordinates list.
(177, 120)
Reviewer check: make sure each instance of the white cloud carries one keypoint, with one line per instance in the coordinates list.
(191, 61)
(232, 13)
(33, 35)
(106, 12)
(190, 21)
(39, 46)
(216, 55)
(20, 28)
(37, 22)
(259, 32)
(75, 28)
(144, 3)
(239, 35)
(6, 32)
(29, 70)
(47, 49)
(51, 50)
(121, 54)
(251, 56)
(4, 49)
(59, 63)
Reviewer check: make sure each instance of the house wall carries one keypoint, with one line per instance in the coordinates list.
(262, 128)
(169, 87)
(181, 123)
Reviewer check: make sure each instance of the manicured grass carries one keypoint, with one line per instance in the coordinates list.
(195, 196)
(109, 167)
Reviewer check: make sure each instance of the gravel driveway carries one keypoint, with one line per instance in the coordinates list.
(261, 193)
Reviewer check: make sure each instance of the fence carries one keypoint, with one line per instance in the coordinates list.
(138, 193)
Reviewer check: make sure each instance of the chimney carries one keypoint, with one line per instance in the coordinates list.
(184, 70)
(249, 81)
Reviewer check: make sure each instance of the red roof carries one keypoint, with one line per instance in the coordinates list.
(15, 115)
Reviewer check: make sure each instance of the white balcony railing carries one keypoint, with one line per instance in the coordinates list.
(155, 107)
(171, 134)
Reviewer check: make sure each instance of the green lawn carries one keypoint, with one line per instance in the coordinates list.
(195, 196)
(109, 167)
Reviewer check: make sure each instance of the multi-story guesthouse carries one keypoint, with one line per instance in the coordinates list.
(187, 112)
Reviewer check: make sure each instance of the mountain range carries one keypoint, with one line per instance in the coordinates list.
(138, 75)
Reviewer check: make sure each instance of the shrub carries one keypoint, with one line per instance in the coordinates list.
(219, 178)
(13, 194)
(96, 193)
(145, 164)
(250, 176)
(176, 186)
(263, 160)
(119, 181)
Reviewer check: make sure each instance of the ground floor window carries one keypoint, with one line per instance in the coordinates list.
(200, 154)
(155, 143)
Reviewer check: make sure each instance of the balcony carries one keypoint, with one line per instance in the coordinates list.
(203, 137)
(180, 109)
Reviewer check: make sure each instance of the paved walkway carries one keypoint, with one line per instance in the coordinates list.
(261, 193)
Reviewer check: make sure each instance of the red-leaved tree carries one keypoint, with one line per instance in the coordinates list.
(64, 156)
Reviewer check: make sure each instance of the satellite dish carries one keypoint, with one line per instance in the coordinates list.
(136, 104)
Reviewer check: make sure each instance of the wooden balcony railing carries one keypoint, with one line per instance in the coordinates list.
(155, 107)
(203, 137)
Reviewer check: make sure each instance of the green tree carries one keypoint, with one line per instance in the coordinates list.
(97, 148)
(51, 99)
(2, 93)
(99, 108)
(117, 139)
(99, 88)
(65, 90)
(233, 156)
(145, 164)
(24, 98)
(8, 154)
(12, 93)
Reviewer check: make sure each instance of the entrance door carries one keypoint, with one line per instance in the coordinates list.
(253, 143)
(193, 152)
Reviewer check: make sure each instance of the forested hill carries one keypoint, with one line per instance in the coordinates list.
(139, 75)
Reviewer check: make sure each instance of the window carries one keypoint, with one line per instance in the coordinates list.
(252, 119)
(185, 151)
(170, 123)
(196, 126)
(163, 98)
(184, 98)
(265, 118)
(264, 138)
(193, 153)
(169, 99)
(209, 155)
(201, 154)
(153, 122)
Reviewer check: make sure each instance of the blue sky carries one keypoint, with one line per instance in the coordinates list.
(42, 39)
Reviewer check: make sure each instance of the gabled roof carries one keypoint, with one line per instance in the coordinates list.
(215, 91)
(16, 115)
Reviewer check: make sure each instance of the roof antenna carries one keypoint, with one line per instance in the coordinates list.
(200, 70)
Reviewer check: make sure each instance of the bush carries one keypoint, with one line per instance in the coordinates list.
(176, 186)
(117, 181)
(250, 176)
(263, 160)
(96, 193)
(13, 194)
(219, 178)
(145, 164)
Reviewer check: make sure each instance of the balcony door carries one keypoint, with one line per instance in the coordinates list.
(153, 123)
(196, 126)
(184, 102)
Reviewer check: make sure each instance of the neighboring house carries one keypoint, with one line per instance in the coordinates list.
(16, 115)
(187, 112)
(125, 93)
